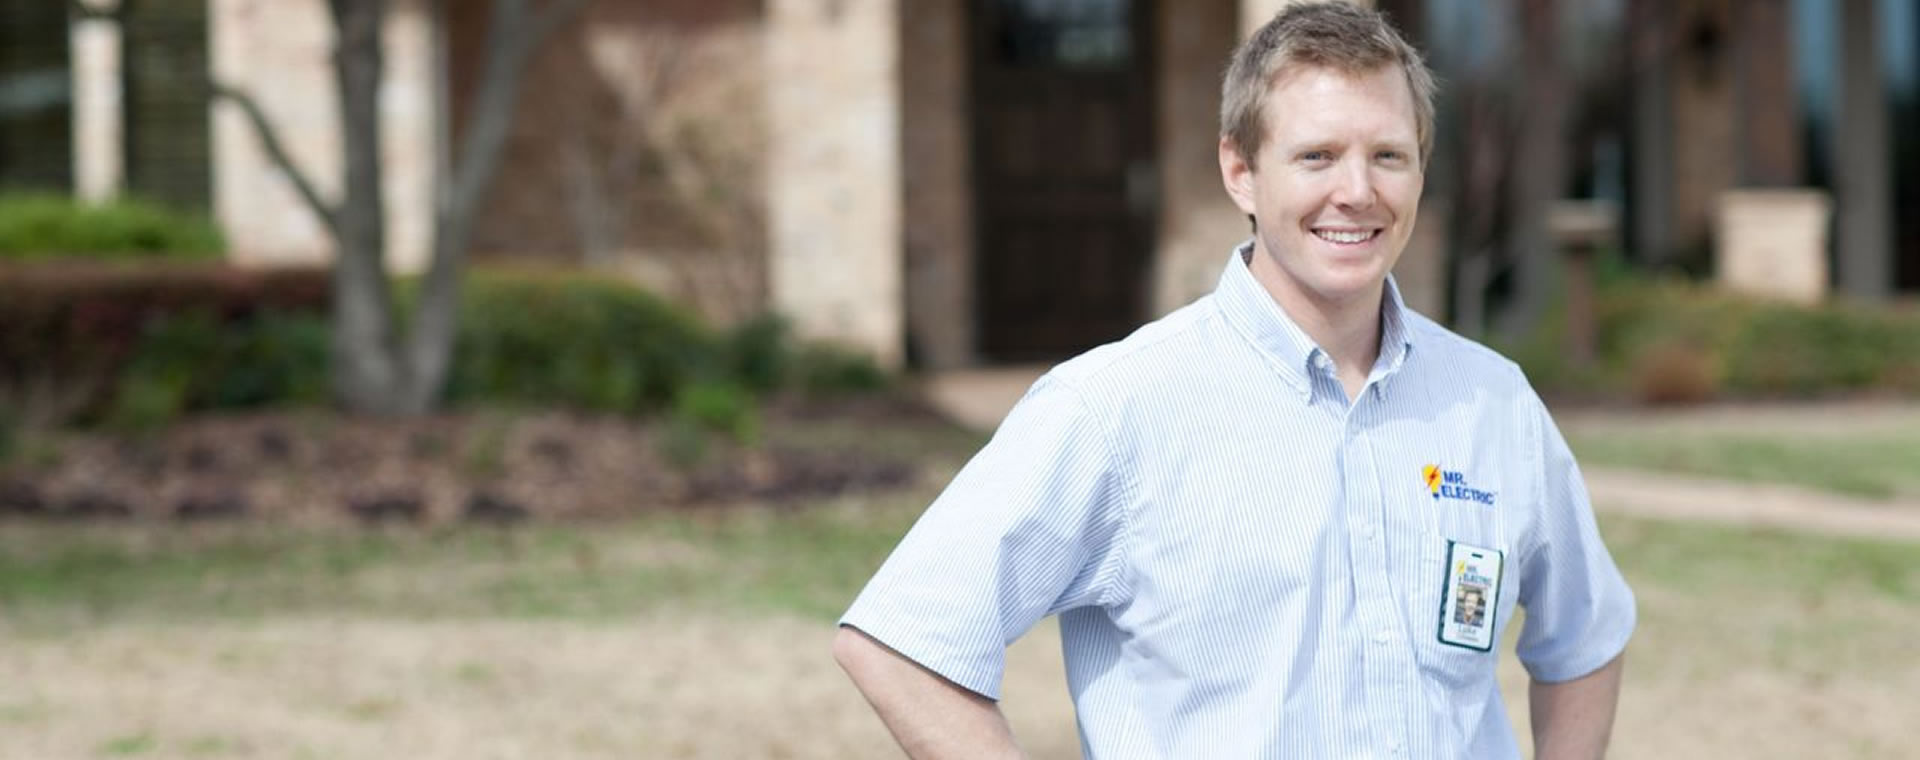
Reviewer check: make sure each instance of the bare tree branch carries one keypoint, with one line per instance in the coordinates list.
(277, 153)
(511, 40)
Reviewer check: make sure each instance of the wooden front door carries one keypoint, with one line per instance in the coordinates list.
(1064, 173)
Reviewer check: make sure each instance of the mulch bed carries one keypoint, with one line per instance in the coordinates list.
(485, 466)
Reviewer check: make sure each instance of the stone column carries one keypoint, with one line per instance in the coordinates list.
(938, 183)
(834, 179)
(99, 157)
(1863, 182)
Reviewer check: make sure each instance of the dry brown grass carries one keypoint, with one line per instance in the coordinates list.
(710, 686)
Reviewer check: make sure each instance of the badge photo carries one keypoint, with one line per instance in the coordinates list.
(1469, 600)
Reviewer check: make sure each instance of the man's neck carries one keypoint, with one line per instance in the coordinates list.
(1347, 330)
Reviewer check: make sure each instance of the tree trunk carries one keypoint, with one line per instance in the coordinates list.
(1539, 169)
(514, 32)
(366, 376)
(1864, 182)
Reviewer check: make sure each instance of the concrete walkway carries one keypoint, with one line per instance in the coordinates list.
(980, 398)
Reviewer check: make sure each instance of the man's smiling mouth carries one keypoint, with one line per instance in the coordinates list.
(1346, 237)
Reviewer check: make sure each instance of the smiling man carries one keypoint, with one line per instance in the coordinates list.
(1292, 519)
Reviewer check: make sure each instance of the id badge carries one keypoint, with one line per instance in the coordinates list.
(1471, 596)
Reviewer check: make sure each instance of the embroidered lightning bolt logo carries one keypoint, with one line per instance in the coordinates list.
(1432, 475)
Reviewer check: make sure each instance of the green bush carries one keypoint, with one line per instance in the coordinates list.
(86, 341)
(575, 340)
(196, 361)
(35, 227)
(1678, 341)
(154, 342)
(721, 408)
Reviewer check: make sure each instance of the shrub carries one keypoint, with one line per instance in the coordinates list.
(137, 346)
(73, 334)
(721, 408)
(1671, 342)
(196, 361)
(575, 340)
(1675, 373)
(34, 227)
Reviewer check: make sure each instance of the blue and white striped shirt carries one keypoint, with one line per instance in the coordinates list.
(1246, 564)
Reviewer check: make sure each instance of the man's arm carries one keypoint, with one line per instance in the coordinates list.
(930, 716)
(1572, 719)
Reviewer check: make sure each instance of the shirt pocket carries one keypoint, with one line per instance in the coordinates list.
(1454, 669)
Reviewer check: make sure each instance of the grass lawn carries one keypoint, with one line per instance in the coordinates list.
(1881, 465)
(703, 635)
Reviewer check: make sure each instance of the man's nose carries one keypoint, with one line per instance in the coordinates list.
(1354, 188)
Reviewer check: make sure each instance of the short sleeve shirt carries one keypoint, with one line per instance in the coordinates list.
(1247, 563)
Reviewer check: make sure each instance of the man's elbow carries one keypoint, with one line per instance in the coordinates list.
(853, 651)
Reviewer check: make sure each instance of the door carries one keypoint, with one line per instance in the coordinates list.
(1064, 173)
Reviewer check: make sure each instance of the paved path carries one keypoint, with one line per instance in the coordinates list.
(980, 398)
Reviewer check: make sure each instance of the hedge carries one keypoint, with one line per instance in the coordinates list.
(138, 346)
(40, 227)
(1663, 341)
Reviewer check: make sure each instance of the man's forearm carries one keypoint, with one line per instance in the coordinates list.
(1572, 719)
(931, 717)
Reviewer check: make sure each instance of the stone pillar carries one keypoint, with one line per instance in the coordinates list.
(1198, 223)
(834, 179)
(938, 182)
(1773, 244)
(280, 52)
(1863, 181)
(99, 123)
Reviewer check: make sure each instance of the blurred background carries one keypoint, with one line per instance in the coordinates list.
(447, 378)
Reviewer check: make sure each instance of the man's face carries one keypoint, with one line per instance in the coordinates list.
(1337, 187)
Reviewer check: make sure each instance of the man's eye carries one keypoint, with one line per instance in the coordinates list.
(1392, 155)
(1316, 155)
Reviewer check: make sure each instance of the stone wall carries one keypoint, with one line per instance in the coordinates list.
(280, 52)
(638, 147)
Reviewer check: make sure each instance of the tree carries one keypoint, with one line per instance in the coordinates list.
(377, 367)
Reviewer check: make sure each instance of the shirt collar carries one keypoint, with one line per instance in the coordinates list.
(1252, 310)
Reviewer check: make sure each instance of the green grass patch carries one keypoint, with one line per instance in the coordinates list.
(124, 746)
(56, 577)
(1716, 600)
(1879, 465)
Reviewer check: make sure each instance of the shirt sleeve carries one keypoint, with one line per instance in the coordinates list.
(1580, 611)
(1032, 526)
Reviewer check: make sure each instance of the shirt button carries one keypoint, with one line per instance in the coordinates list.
(1382, 637)
(1367, 531)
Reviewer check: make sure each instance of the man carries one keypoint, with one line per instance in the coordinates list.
(1254, 515)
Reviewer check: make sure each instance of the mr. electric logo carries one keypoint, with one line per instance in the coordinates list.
(1452, 484)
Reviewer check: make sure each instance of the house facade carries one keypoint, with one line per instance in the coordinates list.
(953, 182)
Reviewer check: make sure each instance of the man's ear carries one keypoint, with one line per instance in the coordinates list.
(1236, 173)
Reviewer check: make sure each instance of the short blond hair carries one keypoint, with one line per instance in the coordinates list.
(1335, 35)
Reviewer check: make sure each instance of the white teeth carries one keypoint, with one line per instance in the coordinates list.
(1344, 236)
